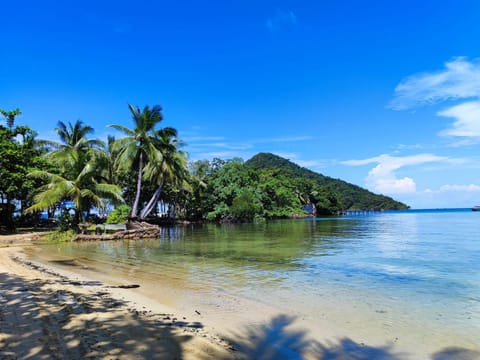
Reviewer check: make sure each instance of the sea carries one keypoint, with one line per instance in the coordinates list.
(403, 282)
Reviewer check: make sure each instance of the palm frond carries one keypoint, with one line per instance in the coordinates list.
(122, 129)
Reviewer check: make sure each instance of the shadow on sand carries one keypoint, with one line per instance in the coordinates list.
(38, 321)
(44, 319)
(275, 341)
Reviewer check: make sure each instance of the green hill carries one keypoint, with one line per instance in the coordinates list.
(351, 197)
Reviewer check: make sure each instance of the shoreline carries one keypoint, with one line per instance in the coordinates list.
(247, 329)
(45, 311)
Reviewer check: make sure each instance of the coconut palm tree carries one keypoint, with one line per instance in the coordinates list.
(73, 136)
(138, 147)
(85, 190)
(81, 176)
(10, 116)
(172, 167)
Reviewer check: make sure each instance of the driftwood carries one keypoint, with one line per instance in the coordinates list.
(136, 230)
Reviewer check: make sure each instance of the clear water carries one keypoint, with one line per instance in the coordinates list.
(407, 270)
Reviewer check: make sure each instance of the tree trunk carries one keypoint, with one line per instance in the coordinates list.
(10, 209)
(139, 188)
(152, 203)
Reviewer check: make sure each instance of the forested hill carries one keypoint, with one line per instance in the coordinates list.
(352, 197)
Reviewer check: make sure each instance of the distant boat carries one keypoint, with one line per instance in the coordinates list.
(476, 208)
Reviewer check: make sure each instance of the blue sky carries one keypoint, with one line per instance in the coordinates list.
(383, 94)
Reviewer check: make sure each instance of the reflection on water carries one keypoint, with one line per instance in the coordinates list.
(418, 264)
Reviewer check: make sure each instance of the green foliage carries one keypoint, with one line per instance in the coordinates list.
(19, 154)
(245, 206)
(139, 147)
(236, 192)
(147, 168)
(65, 220)
(10, 116)
(268, 186)
(79, 174)
(346, 196)
(119, 215)
(60, 236)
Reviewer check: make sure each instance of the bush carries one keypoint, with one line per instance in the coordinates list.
(65, 220)
(119, 215)
(245, 206)
(60, 236)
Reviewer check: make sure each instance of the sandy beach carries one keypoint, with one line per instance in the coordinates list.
(51, 312)
(48, 314)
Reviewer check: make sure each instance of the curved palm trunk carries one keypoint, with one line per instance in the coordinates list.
(139, 188)
(152, 203)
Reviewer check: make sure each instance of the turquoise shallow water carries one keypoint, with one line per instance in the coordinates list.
(411, 269)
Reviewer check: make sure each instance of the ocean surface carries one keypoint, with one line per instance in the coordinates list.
(403, 276)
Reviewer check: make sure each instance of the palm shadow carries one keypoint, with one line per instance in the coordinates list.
(456, 353)
(275, 341)
(37, 320)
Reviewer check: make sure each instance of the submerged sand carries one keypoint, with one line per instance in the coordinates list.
(47, 312)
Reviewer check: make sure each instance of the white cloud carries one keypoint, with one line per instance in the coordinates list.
(281, 20)
(221, 145)
(460, 79)
(219, 154)
(467, 119)
(446, 196)
(410, 146)
(203, 138)
(284, 139)
(460, 188)
(310, 163)
(287, 155)
(382, 177)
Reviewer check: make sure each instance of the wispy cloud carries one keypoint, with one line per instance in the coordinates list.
(460, 79)
(382, 178)
(283, 139)
(195, 142)
(410, 146)
(202, 138)
(446, 196)
(467, 119)
(472, 188)
(219, 145)
(202, 147)
(220, 154)
(281, 20)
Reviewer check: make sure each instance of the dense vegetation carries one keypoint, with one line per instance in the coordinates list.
(82, 178)
(351, 197)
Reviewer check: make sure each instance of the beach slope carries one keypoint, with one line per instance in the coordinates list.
(46, 314)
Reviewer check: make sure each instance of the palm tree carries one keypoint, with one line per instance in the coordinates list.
(10, 116)
(172, 167)
(81, 176)
(138, 147)
(84, 190)
(73, 136)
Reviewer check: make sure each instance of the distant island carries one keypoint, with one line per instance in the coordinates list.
(350, 196)
(270, 187)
